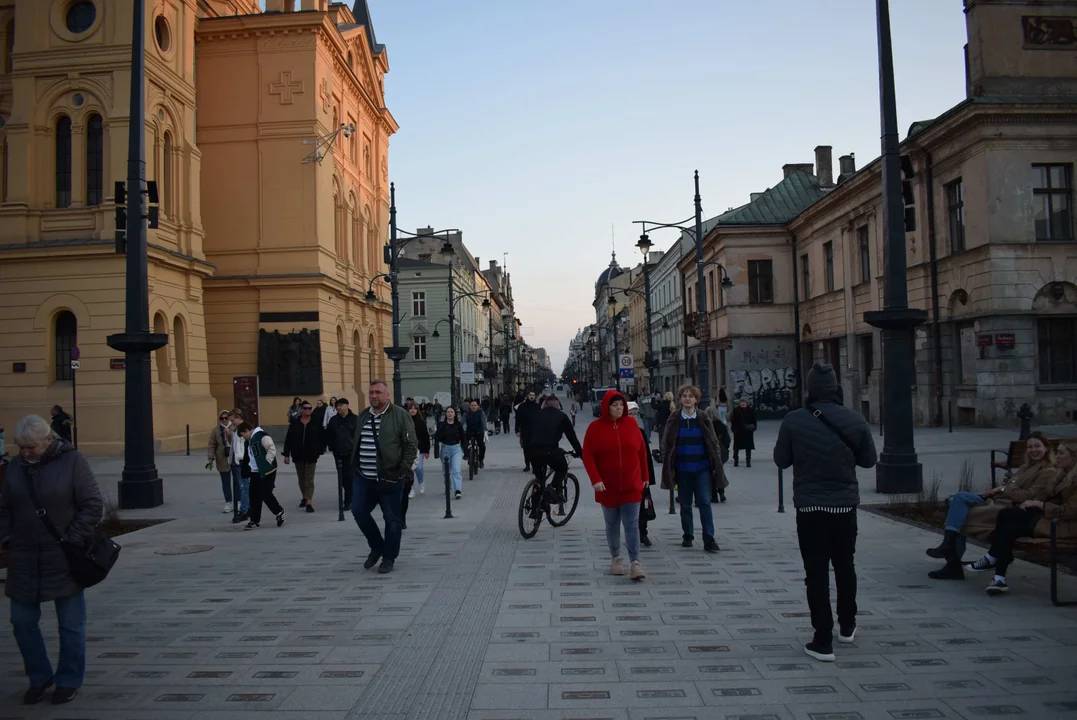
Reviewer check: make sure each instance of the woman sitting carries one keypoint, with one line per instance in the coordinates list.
(1032, 518)
(974, 514)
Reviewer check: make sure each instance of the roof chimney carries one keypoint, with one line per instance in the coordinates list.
(824, 165)
(790, 168)
(320, 5)
(755, 196)
(280, 6)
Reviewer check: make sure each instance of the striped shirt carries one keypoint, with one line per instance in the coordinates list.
(691, 452)
(368, 448)
(826, 509)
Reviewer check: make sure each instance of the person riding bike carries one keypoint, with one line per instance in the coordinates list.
(475, 428)
(548, 426)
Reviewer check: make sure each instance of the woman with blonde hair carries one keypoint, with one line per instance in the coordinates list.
(974, 514)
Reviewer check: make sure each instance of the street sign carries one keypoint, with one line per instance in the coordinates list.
(117, 363)
(75, 354)
(626, 373)
(75, 365)
(627, 361)
(467, 373)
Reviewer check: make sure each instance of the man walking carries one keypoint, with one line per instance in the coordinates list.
(824, 442)
(305, 442)
(526, 411)
(340, 438)
(219, 453)
(382, 456)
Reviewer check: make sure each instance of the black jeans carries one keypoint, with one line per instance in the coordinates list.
(262, 492)
(541, 458)
(525, 441)
(828, 538)
(1011, 524)
(480, 439)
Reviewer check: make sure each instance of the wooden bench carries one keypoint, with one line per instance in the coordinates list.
(1014, 457)
(1059, 551)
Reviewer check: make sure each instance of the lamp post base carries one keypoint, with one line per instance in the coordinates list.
(141, 494)
(898, 473)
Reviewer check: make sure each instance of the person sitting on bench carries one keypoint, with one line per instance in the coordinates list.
(973, 514)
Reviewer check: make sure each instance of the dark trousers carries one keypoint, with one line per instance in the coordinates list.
(826, 539)
(1011, 524)
(541, 458)
(480, 440)
(525, 443)
(369, 494)
(262, 492)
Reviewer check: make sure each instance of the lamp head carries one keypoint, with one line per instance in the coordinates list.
(437, 334)
(727, 283)
(644, 245)
(486, 303)
(447, 250)
(370, 296)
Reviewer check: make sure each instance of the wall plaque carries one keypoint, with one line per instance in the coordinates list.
(1049, 33)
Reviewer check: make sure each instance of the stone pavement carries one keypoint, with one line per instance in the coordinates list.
(475, 623)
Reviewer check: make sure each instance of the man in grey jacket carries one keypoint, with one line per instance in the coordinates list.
(824, 443)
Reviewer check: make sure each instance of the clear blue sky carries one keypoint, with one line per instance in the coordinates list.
(535, 125)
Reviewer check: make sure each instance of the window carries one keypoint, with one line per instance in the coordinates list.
(710, 290)
(760, 282)
(1058, 350)
(867, 357)
(419, 347)
(418, 303)
(863, 241)
(63, 162)
(828, 265)
(9, 49)
(81, 16)
(805, 278)
(955, 204)
(1051, 202)
(166, 177)
(95, 161)
(65, 338)
(353, 145)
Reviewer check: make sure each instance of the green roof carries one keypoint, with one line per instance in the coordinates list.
(780, 204)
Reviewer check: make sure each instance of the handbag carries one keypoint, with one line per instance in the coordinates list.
(648, 511)
(89, 563)
(750, 427)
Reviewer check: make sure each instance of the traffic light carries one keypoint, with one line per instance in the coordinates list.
(121, 217)
(908, 199)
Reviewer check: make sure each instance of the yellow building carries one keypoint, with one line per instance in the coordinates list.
(272, 216)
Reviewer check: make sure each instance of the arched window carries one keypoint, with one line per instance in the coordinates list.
(9, 50)
(95, 160)
(65, 337)
(160, 356)
(338, 227)
(166, 176)
(179, 337)
(357, 360)
(370, 348)
(353, 224)
(340, 354)
(63, 162)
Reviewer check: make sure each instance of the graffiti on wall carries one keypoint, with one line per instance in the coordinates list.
(769, 390)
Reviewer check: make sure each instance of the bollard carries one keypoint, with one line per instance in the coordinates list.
(340, 490)
(188, 439)
(950, 413)
(781, 492)
(235, 497)
(448, 486)
(671, 510)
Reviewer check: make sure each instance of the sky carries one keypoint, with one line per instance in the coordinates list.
(542, 127)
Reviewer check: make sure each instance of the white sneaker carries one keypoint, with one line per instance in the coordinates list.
(617, 567)
(422, 489)
(227, 508)
(636, 571)
(411, 494)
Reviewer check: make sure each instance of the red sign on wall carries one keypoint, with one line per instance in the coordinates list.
(117, 363)
(245, 397)
(983, 341)
(1004, 341)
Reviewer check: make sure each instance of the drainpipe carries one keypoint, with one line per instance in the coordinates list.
(934, 260)
(796, 322)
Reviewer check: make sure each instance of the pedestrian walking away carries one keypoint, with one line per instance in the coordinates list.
(450, 435)
(61, 423)
(615, 457)
(37, 567)
(304, 443)
(692, 462)
(219, 454)
(743, 432)
(722, 432)
(824, 443)
(646, 506)
(525, 416)
(262, 454)
(382, 456)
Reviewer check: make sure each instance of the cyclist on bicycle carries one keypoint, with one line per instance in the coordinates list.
(475, 427)
(549, 425)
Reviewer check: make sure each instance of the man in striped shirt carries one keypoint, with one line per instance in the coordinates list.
(383, 455)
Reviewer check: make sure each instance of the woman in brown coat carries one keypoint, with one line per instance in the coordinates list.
(1032, 519)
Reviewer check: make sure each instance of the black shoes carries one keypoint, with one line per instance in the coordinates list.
(386, 566)
(949, 540)
(847, 635)
(527, 468)
(36, 694)
(686, 543)
(302, 504)
(820, 651)
(310, 508)
(458, 495)
(241, 517)
(63, 695)
(644, 541)
(481, 464)
(709, 545)
(721, 496)
(371, 560)
(251, 526)
(280, 518)
(952, 570)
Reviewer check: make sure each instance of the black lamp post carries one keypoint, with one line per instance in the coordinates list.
(449, 252)
(140, 486)
(650, 362)
(898, 470)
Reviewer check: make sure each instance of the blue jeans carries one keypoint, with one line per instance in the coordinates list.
(226, 484)
(369, 494)
(699, 485)
(722, 411)
(71, 618)
(419, 471)
(960, 505)
(628, 516)
(244, 488)
(648, 425)
(451, 456)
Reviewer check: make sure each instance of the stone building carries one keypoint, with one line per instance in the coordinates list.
(667, 321)
(990, 250)
(256, 234)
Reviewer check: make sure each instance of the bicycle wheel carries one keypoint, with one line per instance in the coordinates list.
(561, 513)
(530, 513)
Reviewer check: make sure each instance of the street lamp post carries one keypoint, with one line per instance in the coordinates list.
(650, 362)
(898, 470)
(448, 251)
(140, 486)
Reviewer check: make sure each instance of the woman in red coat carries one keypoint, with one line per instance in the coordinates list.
(616, 461)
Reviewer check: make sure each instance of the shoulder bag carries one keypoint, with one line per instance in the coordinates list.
(89, 563)
(832, 427)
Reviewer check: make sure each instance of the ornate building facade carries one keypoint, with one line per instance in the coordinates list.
(260, 265)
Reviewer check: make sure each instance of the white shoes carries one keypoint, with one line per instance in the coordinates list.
(422, 489)
(411, 494)
(617, 567)
(227, 508)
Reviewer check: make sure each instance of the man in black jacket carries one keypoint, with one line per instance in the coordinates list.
(824, 443)
(550, 424)
(305, 443)
(525, 417)
(340, 437)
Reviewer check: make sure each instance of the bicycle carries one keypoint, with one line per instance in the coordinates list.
(540, 499)
(472, 457)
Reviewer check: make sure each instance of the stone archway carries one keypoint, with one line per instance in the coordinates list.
(1056, 297)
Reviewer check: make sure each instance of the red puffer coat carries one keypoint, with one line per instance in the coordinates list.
(614, 454)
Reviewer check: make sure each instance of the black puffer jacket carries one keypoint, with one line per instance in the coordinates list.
(824, 466)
